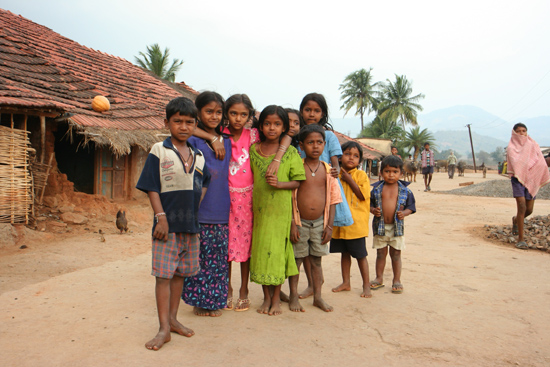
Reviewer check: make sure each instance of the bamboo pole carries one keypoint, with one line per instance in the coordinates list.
(42, 138)
(46, 183)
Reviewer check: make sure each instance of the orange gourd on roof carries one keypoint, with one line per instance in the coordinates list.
(100, 104)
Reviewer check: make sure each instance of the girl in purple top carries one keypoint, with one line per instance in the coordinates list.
(207, 291)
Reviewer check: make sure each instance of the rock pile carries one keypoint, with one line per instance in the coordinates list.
(536, 233)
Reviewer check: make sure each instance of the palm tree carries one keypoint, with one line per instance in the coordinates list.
(416, 138)
(397, 102)
(358, 91)
(157, 62)
(383, 129)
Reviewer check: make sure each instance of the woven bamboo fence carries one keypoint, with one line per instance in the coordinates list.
(16, 187)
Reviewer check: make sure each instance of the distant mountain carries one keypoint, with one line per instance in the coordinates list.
(487, 129)
(483, 123)
(457, 117)
(459, 141)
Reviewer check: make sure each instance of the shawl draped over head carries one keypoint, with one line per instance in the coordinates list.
(526, 162)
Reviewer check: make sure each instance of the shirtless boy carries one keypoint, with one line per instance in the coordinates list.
(388, 224)
(314, 207)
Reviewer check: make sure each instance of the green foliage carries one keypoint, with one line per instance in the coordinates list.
(397, 102)
(498, 155)
(358, 91)
(157, 62)
(415, 139)
(383, 129)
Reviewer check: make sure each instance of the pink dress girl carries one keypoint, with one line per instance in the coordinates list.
(241, 182)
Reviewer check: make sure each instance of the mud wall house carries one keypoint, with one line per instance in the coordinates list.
(47, 83)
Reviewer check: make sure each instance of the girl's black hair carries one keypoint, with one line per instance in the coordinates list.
(353, 144)
(295, 143)
(239, 98)
(519, 124)
(205, 98)
(309, 129)
(272, 110)
(322, 102)
(183, 105)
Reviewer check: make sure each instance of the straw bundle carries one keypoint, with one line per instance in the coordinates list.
(15, 179)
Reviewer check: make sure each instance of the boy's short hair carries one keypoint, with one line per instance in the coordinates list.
(183, 105)
(353, 144)
(310, 129)
(519, 124)
(426, 143)
(391, 161)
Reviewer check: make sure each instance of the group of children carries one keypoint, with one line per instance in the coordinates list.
(269, 196)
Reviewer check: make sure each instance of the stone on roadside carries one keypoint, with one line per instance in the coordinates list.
(73, 218)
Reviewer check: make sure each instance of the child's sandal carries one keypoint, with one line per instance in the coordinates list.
(229, 305)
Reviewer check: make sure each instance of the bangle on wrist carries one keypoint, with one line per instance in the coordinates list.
(276, 160)
(158, 215)
(329, 227)
(213, 140)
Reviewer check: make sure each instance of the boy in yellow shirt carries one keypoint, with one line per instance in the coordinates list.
(350, 240)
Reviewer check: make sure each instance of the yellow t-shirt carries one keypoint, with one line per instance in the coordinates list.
(360, 209)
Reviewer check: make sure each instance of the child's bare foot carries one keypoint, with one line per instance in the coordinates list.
(275, 309)
(284, 297)
(264, 308)
(342, 287)
(215, 313)
(177, 327)
(294, 304)
(158, 341)
(319, 302)
(201, 311)
(308, 292)
(366, 291)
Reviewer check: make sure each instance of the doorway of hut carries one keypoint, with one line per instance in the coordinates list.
(74, 159)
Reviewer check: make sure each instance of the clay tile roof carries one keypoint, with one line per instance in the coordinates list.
(40, 69)
(368, 152)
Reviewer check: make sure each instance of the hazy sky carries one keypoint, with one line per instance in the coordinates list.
(491, 54)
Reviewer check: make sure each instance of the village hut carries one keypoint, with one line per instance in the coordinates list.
(49, 128)
(370, 154)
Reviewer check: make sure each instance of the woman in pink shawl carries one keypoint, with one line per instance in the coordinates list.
(529, 172)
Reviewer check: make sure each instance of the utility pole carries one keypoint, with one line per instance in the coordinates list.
(472, 145)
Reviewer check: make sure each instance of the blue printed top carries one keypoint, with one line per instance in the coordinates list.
(215, 205)
(405, 198)
(180, 192)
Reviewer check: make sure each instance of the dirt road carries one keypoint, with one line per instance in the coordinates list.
(67, 301)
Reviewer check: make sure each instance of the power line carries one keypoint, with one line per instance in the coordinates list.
(515, 104)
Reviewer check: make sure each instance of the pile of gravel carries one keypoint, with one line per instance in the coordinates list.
(536, 233)
(494, 188)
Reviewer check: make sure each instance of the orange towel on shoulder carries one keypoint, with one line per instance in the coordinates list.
(526, 162)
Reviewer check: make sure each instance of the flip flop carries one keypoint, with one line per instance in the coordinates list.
(240, 303)
(515, 230)
(522, 245)
(229, 303)
(376, 285)
(397, 288)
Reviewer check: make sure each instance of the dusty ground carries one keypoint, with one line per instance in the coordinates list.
(72, 300)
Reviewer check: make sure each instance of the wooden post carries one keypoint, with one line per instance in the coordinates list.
(25, 123)
(42, 138)
(12, 120)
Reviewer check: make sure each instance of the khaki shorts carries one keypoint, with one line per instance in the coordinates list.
(311, 236)
(389, 239)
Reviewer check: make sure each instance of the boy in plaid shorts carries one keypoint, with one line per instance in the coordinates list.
(175, 178)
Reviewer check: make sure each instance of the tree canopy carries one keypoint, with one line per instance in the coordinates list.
(358, 91)
(416, 138)
(157, 61)
(397, 102)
